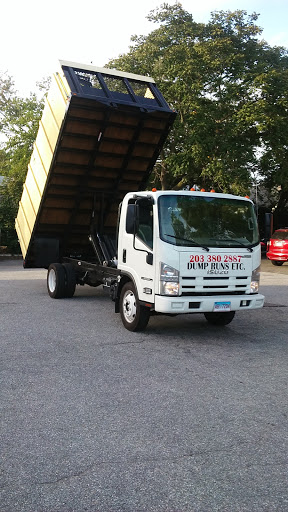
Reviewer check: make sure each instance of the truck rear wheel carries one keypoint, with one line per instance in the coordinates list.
(220, 318)
(70, 280)
(56, 281)
(134, 316)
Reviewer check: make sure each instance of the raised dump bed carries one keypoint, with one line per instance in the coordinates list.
(99, 138)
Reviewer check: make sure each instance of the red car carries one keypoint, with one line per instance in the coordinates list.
(277, 247)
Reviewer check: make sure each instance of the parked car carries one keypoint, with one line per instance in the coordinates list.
(277, 247)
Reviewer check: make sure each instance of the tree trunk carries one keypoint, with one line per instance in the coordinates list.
(163, 177)
(280, 217)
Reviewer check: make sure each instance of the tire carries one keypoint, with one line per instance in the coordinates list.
(277, 263)
(220, 318)
(56, 281)
(134, 316)
(70, 280)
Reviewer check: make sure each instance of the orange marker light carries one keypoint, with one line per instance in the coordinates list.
(212, 190)
(202, 190)
(154, 189)
(192, 189)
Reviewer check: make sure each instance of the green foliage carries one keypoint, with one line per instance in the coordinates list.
(272, 113)
(19, 120)
(230, 91)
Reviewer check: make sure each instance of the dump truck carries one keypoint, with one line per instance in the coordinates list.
(87, 217)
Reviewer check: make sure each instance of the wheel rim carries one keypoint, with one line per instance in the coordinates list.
(129, 306)
(52, 280)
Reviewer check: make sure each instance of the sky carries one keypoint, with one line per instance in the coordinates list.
(36, 34)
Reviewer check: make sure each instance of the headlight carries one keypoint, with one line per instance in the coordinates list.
(254, 285)
(169, 288)
(169, 280)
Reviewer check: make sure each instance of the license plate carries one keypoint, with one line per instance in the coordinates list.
(222, 306)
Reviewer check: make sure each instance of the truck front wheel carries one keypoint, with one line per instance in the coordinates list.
(56, 281)
(220, 318)
(134, 316)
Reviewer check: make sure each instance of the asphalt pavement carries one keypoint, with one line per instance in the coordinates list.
(183, 417)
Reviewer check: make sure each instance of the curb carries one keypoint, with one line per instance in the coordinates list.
(10, 257)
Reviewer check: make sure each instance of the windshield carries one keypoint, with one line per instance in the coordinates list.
(193, 221)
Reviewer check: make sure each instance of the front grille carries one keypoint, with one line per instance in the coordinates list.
(214, 285)
(215, 278)
(210, 294)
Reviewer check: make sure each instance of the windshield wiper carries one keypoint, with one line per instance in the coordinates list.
(188, 240)
(232, 240)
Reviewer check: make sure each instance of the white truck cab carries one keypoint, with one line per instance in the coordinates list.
(191, 252)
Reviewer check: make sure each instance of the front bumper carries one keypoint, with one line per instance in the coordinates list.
(205, 304)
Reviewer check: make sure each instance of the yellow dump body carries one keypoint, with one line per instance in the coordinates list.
(99, 137)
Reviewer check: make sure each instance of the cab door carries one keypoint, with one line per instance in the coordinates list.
(135, 248)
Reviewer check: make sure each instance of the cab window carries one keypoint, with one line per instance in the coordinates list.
(145, 224)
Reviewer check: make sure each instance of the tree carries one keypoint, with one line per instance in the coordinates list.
(19, 119)
(272, 112)
(213, 74)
